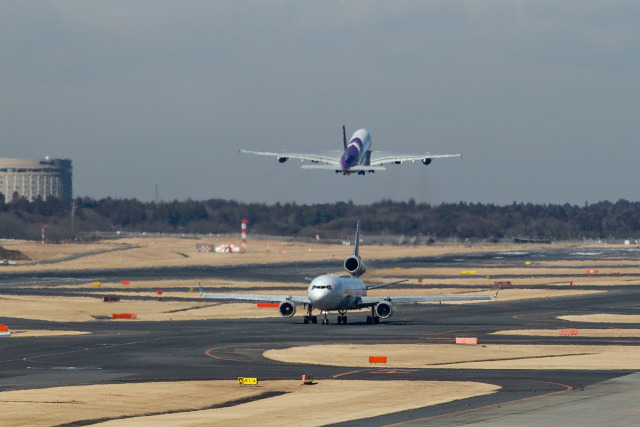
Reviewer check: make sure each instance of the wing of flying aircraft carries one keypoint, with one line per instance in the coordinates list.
(330, 157)
(382, 157)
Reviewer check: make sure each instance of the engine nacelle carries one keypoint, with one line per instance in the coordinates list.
(426, 161)
(384, 309)
(282, 159)
(287, 309)
(355, 266)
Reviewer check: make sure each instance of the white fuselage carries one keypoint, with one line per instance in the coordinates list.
(331, 292)
(357, 148)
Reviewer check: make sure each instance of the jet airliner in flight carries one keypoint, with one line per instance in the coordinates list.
(357, 156)
(342, 293)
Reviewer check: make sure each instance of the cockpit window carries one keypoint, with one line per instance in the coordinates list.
(321, 287)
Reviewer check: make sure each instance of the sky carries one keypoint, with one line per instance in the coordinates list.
(542, 98)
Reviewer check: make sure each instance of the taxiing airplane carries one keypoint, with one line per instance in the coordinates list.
(342, 293)
(357, 156)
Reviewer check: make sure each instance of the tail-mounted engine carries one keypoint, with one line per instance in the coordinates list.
(384, 309)
(355, 266)
(287, 309)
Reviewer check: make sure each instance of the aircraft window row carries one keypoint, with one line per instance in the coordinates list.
(321, 287)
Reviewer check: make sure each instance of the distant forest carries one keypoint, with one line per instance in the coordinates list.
(417, 222)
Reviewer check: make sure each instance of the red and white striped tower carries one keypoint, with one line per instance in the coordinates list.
(244, 233)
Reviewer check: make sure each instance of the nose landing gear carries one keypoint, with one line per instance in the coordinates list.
(325, 319)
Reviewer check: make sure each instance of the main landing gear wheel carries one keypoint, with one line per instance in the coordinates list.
(309, 318)
(373, 318)
(312, 319)
(342, 319)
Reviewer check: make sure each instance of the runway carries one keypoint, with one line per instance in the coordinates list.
(227, 349)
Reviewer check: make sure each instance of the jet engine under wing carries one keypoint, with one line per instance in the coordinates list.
(382, 157)
(331, 157)
(255, 297)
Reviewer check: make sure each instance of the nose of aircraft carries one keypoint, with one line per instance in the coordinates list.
(321, 291)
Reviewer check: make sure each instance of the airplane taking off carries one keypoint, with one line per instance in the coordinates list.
(341, 293)
(357, 156)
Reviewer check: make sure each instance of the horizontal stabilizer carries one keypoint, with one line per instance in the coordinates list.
(351, 169)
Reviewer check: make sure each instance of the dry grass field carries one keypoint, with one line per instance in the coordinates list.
(150, 404)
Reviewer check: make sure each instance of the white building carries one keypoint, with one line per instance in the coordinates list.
(31, 178)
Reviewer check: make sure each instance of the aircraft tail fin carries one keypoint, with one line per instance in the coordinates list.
(356, 245)
(344, 142)
(354, 265)
(344, 138)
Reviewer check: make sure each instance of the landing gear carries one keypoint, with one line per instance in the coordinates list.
(325, 319)
(342, 318)
(309, 318)
(373, 319)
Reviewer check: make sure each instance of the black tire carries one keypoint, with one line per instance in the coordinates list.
(314, 319)
(344, 320)
(376, 320)
(369, 320)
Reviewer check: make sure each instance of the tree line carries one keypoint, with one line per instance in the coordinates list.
(22, 219)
